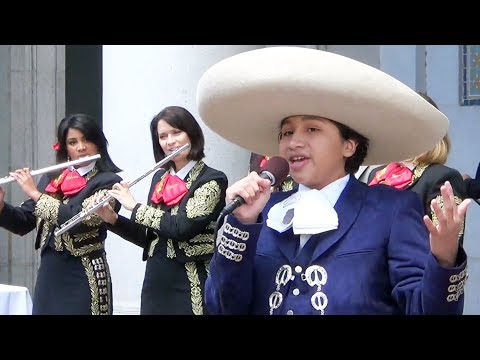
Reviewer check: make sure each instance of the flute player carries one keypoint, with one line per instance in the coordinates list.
(175, 225)
(73, 277)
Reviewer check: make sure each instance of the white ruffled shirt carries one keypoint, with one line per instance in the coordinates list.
(308, 211)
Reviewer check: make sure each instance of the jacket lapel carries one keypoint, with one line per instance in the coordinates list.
(348, 208)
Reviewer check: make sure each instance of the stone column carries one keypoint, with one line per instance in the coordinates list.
(32, 102)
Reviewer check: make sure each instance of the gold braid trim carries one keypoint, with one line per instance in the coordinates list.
(98, 275)
(200, 238)
(193, 174)
(94, 219)
(195, 250)
(418, 171)
(47, 208)
(92, 283)
(149, 216)
(170, 249)
(204, 200)
(152, 245)
(86, 249)
(88, 235)
(195, 291)
(287, 184)
(174, 211)
(206, 263)
(109, 281)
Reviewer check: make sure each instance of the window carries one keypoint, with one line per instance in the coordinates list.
(469, 75)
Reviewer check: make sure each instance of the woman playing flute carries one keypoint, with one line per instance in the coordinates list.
(73, 277)
(175, 226)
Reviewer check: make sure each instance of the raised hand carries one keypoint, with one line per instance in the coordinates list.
(444, 236)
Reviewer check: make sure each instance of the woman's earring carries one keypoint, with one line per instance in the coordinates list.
(68, 158)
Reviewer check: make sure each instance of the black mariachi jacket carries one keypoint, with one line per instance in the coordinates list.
(52, 210)
(426, 182)
(184, 231)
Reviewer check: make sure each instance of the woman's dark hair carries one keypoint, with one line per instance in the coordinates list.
(353, 162)
(181, 119)
(92, 132)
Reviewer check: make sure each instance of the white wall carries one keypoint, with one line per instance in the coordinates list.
(138, 82)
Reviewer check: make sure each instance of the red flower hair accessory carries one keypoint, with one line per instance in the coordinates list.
(56, 146)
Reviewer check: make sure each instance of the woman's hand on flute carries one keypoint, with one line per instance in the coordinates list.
(121, 192)
(106, 212)
(25, 180)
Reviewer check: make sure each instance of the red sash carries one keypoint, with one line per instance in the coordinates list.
(68, 182)
(394, 174)
(171, 190)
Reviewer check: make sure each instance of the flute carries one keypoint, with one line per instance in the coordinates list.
(9, 179)
(67, 225)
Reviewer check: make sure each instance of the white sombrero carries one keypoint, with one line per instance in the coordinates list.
(244, 98)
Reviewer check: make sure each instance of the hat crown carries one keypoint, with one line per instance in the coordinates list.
(243, 98)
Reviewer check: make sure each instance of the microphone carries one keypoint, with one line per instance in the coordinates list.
(276, 170)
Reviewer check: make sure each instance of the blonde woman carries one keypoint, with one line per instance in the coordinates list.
(424, 174)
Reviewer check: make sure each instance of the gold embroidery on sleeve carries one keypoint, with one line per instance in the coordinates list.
(204, 200)
(47, 208)
(149, 216)
(93, 219)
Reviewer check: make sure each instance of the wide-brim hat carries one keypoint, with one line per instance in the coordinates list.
(243, 98)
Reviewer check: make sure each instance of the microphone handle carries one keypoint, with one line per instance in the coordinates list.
(228, 209)
(239, 201)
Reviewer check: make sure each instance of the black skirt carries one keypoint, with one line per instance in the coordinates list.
(71, 285)
(173, 288)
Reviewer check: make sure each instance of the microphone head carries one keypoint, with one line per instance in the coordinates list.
(278, 167)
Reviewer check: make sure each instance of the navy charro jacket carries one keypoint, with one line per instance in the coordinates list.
(378, 261)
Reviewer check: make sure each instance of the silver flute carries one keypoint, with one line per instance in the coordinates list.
(67, 225)
(9, 179)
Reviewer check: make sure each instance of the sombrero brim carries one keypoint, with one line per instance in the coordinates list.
(244, 98)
